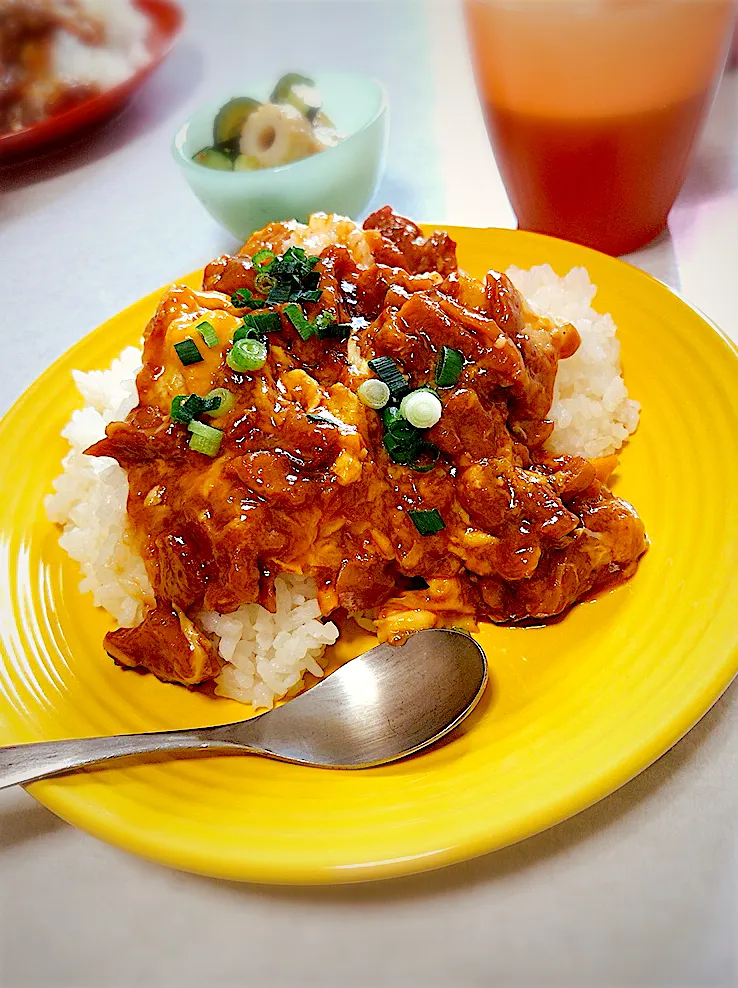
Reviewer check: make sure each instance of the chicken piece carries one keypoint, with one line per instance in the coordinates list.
(434, 253)
(228, 273)
(533, 338)
(168, 644)
(615, 523)
(364, 582)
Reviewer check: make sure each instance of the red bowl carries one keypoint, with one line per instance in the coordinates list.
(165, 23)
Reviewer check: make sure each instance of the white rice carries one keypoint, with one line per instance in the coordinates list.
(593, 413)
(91, 494)
(325, 229)
(266, 655)
(123, 52)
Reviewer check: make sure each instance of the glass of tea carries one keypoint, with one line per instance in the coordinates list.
(593, 107)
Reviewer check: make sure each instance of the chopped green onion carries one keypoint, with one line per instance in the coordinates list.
(282, 292)
(327, 327)
(427, 522)
(449, 366)
(324, 323)
(421, 408)
(265, 322)
(404, 442)
(247, 333)
(387, 370)
(373, 393)
(226, 400)
(241, 297)
(193, 406)
(263, 258)
(258, 324)
(399, 427)
(295, 257)
(426, 457)
(180, 410)
(299, 320)
(205, 439)
(187, 351)
(263, 283)
(185, 408)
(400, 449)
(294, 278)
(390, 415)
(247, 355)
(209, 336)
(174, 409)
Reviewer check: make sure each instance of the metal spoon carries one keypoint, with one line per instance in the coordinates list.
(387, 703)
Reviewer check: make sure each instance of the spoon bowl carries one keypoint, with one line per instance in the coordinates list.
(388, 703)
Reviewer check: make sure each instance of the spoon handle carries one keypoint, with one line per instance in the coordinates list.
(21, 763)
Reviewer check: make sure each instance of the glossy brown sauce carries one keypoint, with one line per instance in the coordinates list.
(526, 533)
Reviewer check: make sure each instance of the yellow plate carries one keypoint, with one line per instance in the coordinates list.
(573, 711)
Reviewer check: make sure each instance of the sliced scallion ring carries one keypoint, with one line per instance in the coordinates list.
(387, 370)
(258, 324)
(247, 355)
(421, 408)
(263, 283)
(263, 258)
(426, 457)
(373, 393)
(449, 366)
(209, 336)
(225, 398)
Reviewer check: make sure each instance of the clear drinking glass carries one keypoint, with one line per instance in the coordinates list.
(593, 107)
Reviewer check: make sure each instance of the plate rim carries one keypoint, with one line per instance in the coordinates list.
(95, 820)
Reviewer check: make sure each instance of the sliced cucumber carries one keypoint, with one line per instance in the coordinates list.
(245, 163)
(214, 158)
(230, 149)
(300, 92)
(231, 118)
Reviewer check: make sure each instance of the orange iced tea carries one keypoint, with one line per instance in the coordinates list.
(593, 106)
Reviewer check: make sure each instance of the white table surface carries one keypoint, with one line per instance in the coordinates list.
(641, 889)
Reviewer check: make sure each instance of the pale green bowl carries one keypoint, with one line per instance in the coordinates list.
(341, 179)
